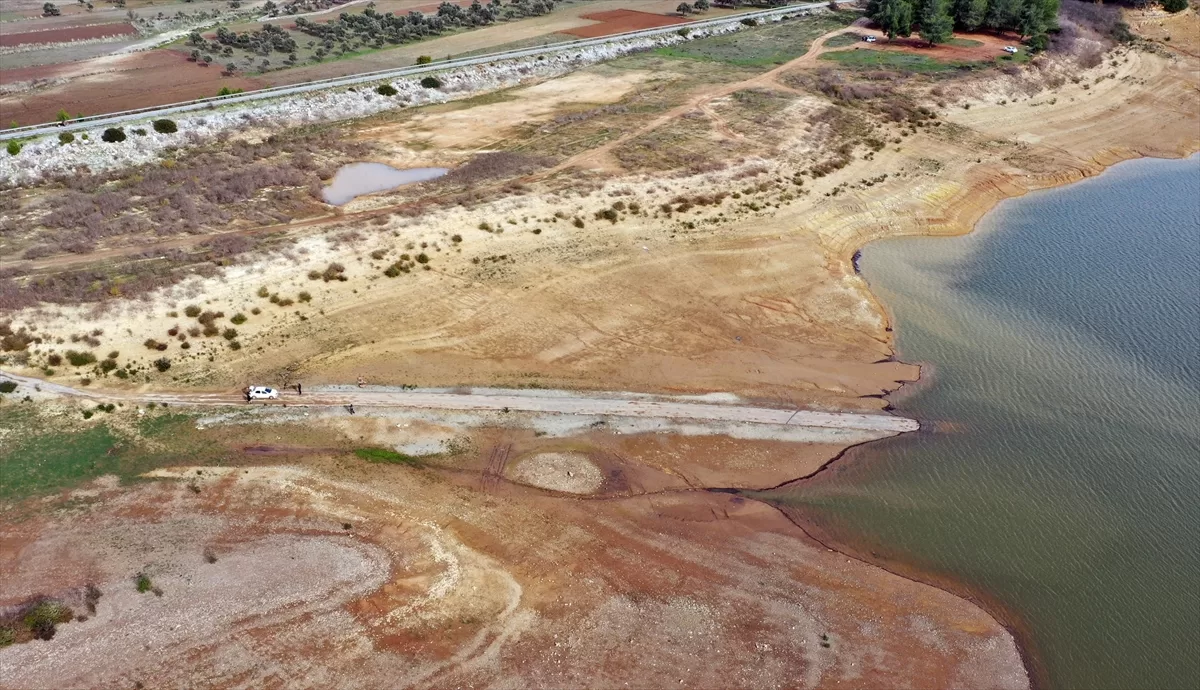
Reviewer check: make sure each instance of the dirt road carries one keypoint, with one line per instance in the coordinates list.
(540, 401)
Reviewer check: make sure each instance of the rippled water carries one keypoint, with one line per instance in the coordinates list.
(1062, 475)
(357, 179)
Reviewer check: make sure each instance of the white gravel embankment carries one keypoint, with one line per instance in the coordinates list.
(46, 156)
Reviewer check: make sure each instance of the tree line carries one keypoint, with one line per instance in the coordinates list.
(936, 20)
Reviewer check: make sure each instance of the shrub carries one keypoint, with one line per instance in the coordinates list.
(386, 90)
(387, 456)
(143, 583)
(578, 222)
(238, 319)
(162, 364)
(80, 359)
(256, 311)
(264, 292)
(285, 302)
(229, 333)
(165, 126)
(235, 345)
(108, 365)
(424, 60)
(140, 132)
(1174, 6)
(113, 135)
(456, 238)
(334, 271)
(66, 138)
(13, 148)
(304, 297)
(431, 82)
(422, 258)
(210, 330)
(7, 386)
(114, 355)
(54, 360)
(192, 311)
(151, 344)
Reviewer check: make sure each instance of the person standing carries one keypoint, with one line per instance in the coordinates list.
(299, 389)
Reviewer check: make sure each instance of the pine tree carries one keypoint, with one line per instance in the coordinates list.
(937, 26)
(895, 17)
(969, 14)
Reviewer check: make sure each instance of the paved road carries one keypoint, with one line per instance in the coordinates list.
(112, 119)
(554, 402)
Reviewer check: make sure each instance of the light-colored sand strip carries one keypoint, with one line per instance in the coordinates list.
(562, 402)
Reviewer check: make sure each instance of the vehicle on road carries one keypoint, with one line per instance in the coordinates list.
(261, 393)
(870, 39)
(1010, 50)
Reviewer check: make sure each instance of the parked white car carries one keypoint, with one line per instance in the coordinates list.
(870, 39)
(262, 393)
(1010, 50)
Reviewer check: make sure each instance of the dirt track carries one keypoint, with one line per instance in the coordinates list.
(557, 402)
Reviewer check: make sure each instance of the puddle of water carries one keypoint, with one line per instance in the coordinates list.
(357, 179)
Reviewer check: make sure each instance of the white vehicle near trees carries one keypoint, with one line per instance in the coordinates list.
(261, 393)
(1010, 50)
(869, 39)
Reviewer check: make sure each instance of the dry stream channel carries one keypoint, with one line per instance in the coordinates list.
(1061, 478)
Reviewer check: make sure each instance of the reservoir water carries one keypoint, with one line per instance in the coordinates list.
(1060, 477)
(357, 179)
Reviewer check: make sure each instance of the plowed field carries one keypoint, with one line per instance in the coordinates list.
(620, 21)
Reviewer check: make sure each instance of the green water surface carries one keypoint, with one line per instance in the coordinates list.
(1059, 472)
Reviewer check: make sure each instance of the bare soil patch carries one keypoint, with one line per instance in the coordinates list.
(570, 473)
(111, 84)
(620, 21)
(67, 34)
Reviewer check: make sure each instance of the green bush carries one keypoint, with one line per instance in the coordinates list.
(304, 297)
(388, 456)
(1174, 6)
(192, 311)
(8, 386)
(229, 333)
(162, 364)
(386, 90)
(113, 135)
(238, 319)
(79, 359)
(424, 60)
(431, 82)
(165, 126)
(13, 148)
(66, 138)
(143, 583)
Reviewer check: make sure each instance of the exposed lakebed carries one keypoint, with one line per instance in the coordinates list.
(1064, 485)
(358, 179)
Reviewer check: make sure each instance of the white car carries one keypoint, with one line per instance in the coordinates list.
(1010, 50)
(869, 39)
(262, 393)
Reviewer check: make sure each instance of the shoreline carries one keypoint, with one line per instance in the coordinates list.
(1007, 618)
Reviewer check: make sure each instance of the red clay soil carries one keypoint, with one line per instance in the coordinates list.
(75, 33)
(106, 85)
(619, 21)
(991, 46)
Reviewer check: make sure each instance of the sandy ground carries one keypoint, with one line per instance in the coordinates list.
(455, 601)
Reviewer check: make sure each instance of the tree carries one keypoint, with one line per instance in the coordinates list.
(113, 135)
(431, 83)
(1032, 22)
(207, 60)
(165, 126)
(230, 68)
(13, 148)
(62, 116)
(425, 59)
(894, 17)
(386, 90)
(969, 14)
(684, 9)
(49, 10)
(936, 24)
(1174, 6)
(701, 5)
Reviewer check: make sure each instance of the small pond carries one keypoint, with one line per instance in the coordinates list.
(357, 179)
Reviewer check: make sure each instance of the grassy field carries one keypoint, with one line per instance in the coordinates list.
(765, 46)
(843, 41)
(888, 59)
